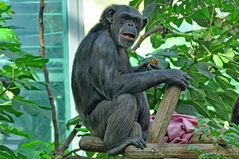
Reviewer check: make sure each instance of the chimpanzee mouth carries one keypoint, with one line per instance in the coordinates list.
(128, 36)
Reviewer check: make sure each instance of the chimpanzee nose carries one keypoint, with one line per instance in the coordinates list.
(130, 24)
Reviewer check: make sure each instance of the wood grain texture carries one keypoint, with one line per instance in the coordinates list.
(164, 114)
(156, 151)
(91, 143)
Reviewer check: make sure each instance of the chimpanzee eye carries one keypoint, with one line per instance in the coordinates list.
(136, 22)
(124, 17)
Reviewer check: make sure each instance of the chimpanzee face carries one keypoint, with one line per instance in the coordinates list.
(126, 23)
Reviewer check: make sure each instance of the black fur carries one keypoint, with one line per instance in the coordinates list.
(235, 112)
(108, 92)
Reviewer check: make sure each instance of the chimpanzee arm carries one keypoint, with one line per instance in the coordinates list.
(146, 66)
(110, 82)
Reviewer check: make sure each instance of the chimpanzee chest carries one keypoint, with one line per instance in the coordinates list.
(124, 64)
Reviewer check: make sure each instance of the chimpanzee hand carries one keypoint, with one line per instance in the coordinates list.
(151, 66)
(176, 77)
(146, 66)
(137, 142)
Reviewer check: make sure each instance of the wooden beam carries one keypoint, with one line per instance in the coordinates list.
(164, 114)
(156, 151)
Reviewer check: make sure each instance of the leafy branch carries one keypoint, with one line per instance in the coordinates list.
(59, 151)
(7, 88)
(155, 29)
(46, 75)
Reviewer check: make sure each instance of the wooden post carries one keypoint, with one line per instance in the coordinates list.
(163, 116)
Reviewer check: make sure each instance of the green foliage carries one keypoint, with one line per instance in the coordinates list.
(37, 149)
(231, 135)
(209, 53)
(6, 153)
(73, 121)
(18, 73)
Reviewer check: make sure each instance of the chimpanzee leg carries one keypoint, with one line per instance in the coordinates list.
(143, 112)
(113, 121)
(96, 121)
(121, 121)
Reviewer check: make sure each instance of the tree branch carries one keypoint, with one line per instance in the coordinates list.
(46, 75)
(71, 152)
(6, 89)
(69, 138)
(157, 28)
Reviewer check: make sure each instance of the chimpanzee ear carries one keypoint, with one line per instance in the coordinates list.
(144, 22)
(109, 14)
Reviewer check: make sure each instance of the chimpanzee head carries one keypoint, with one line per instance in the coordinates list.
(125, 23)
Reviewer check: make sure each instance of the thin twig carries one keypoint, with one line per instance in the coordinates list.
(46, 75)
(69, 138)
(157, 28)
(6, 89)
(71, 152)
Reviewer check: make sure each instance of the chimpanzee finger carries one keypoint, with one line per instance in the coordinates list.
(141, 145)
(155, 66)
(187, 76)
(136, 144)
(182, 84)
(148, 66)
(185, 81)
(143, 142)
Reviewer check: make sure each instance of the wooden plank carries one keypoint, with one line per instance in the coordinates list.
(168, 105)
(156, 151)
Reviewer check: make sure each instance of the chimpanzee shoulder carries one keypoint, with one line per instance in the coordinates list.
(104, 41)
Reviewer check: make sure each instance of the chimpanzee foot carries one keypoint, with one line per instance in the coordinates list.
(136, 141)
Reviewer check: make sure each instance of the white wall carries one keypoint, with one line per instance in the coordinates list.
(92, 10)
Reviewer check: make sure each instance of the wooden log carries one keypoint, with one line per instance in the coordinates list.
(164, 115)
(91, 143)
(156, 151)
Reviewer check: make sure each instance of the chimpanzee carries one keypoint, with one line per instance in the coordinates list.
(235, 112)
(108, 92)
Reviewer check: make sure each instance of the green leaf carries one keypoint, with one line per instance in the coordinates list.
(6, 129)
(6, 153)
(36, 148)
(178, 22)
(8, 36)
(30, 106)
(6, 117)
(217, 60)
(135, 3)
(7, 108)
(31, 61)
(156, 39)
(203, 68)
(73, 121)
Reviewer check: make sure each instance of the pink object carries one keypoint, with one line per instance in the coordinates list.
(180, 129)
